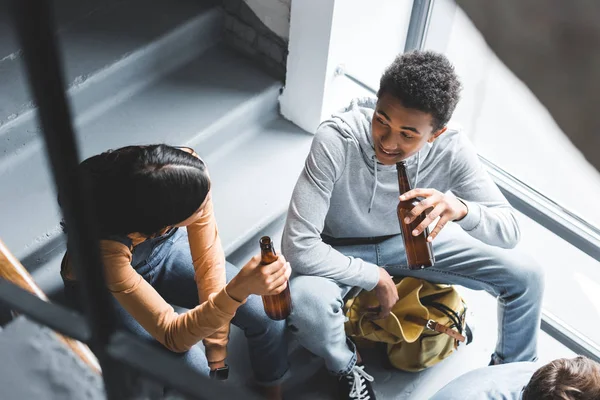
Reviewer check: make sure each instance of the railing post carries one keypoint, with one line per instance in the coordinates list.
(36, 33)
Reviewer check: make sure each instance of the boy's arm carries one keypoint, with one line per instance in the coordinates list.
(302, 245)
(490, 218)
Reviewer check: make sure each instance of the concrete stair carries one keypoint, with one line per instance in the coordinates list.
(172, 82)
(169, 81)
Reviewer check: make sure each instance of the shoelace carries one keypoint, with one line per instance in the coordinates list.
(358, 390)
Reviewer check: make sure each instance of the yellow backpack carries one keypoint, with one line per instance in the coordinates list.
(423, 328)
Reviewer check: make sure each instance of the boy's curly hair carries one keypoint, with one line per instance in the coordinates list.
(425, 81)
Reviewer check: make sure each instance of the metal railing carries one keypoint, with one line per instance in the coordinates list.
(118, 353)
(546, 212)
(419, 25)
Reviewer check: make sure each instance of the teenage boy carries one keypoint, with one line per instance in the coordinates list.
(342, 230)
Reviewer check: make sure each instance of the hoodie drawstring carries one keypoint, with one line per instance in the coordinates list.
(414, 186)
(417, 173)
(374, 185)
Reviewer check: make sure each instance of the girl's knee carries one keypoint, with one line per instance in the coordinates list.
(196, 359)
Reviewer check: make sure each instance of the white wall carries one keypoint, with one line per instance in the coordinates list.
(308, 63)
(362, 36)
(275, 14)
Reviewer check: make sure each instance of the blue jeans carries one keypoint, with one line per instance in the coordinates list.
(317, 318)
(166, 263)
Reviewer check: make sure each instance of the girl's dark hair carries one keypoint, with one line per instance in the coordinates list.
(565, 379)
(144, 188)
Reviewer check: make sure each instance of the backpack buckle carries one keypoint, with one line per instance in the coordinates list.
(431, 325)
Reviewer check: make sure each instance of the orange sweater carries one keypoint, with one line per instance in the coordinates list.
(209, 321)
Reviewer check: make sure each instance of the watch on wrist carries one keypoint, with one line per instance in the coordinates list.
(220, 374)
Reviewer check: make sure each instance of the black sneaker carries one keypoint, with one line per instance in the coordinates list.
(356, 385)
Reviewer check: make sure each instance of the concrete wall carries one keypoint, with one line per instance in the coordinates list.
(260, 29)
(275, 14)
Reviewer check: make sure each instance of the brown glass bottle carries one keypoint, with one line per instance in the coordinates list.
(277, 306)
(419, 252)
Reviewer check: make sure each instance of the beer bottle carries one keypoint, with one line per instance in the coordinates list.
(419, 252)
(277, 306)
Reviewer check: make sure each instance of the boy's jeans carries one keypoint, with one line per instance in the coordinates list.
(514, 278)
(166, 263)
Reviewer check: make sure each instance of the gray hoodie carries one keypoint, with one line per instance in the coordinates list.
(343, 192)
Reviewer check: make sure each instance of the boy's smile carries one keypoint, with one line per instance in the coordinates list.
(399, 132)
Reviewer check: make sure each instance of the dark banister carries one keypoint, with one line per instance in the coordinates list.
(54, 316)
(36, 33)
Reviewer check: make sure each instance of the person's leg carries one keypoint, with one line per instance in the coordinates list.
(266, 338)
(172, 271)
(175, 281)
(511, 275)
(149, 261)
(194, 357)
(317, 321)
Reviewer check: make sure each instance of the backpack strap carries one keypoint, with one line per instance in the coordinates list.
(435, 326)
(450, 313)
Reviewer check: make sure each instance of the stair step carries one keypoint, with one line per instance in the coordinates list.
(253, 182)
(105, 60)
(171, 82)
(203, 95)
(240, 256)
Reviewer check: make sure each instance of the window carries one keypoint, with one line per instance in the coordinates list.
(511, 128)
